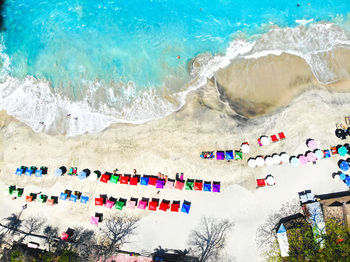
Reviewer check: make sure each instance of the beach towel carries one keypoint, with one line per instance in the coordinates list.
(144, 181)
(174, 207)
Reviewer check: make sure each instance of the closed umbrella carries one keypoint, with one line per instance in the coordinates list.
(342, 151)
(269, 161)
(294, 161)
(260, 161)
(319, 154)
(245, 148)
(252, 163)
(344, 165)
(81, 175)
(302, 159)
(311, 143)
(311, 157)
(58, 172)
(276, 159)
(264, 140)
(284, 158)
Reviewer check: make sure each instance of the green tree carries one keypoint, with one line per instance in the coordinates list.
(17, 256)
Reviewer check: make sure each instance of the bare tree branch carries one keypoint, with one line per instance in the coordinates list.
(208, 240)
(32, 225)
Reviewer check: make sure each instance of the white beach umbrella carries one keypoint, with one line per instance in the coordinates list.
(270, 180)
(284, 158)
(269, 161)
(93, 176)
(251, 163)
(260, 161)
(276, 159)
(58, 172)
(264, 140)
(245, 148)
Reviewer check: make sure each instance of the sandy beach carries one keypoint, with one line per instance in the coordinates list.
(254, 98)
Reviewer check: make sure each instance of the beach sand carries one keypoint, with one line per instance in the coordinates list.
(209, 121)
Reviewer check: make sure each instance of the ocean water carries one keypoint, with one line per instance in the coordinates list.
(77, 66)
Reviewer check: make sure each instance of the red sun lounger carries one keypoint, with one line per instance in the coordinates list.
(334, 150)
(260, 182)
(164, 206)
(274, 138)
(174, 207)
(198, 186)
(153, 205)
(152, 181)
(104, 178)
(281, 136)
(124, 179)
(133, 181)
(98, 201)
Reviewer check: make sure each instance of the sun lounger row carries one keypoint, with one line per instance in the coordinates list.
(29, 171)
(265, 140)
(14, 191)
(228, 154)
(274, 159)
(42, 198)
(269, 180)
(143, 203)
(189, 184)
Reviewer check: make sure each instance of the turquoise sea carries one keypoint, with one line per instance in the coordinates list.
(120, 61)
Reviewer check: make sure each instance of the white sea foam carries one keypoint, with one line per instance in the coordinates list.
(33, 101)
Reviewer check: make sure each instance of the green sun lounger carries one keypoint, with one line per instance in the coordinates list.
(114, 179)
(119, 205)
(189, 185)
(238, 155)
(20, 192)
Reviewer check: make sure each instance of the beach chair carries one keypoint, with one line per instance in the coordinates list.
(133, 181)
(63, 196)
(229, 155)
(259, 142)
(153, 205)
(50, 202)
(131, 204)
(238, 155)
(114, 179)
(281, 136)
(189, 185)
(29, 171)
(274, 138)
(207, 186)
(20, 192)
(186, 206)
(98, 201)
(179, 185)
(104, 178)
(144, 180)
(73, 171)
(164, 205)
(160, 183)
(73, 198)
(169, 184)
(29, 198)
(220, 155)
(152, 181)
(124, 180)
(198, 185)
(327, 153)
(84, 199)
(216, 187)
(142, 204)
(119, 205)
(19, 171)
(260, 182)
(39, 173)
(334, 150)
(42, 198)
(175, 207)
